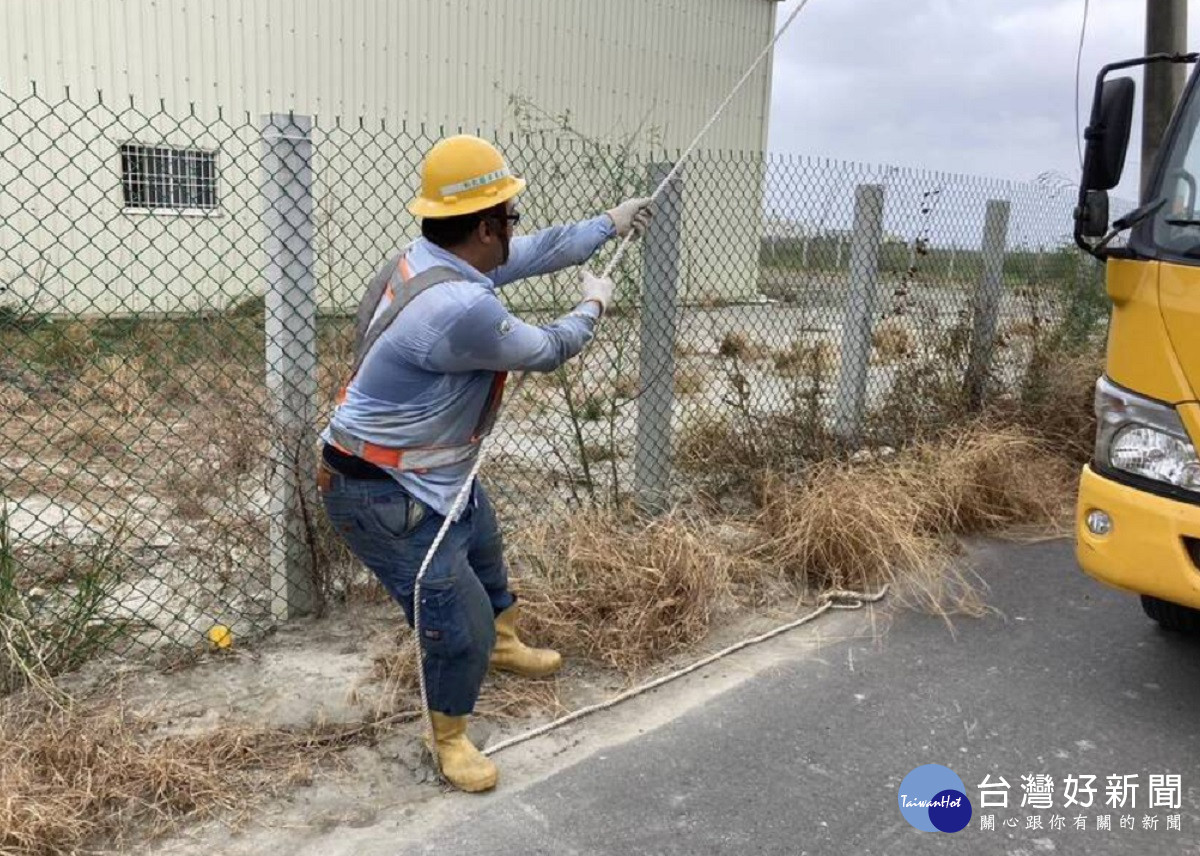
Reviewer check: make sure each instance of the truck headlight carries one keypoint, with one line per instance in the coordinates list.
(1143, 437)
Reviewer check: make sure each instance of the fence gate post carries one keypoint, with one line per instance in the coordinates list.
(987, 301)
(660, 308)
(858, 324)
(291, 315)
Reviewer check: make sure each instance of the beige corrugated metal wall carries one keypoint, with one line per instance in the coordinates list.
(610, 62)
(614, 65)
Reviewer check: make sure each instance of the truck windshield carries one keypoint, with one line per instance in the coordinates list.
(1175, 228)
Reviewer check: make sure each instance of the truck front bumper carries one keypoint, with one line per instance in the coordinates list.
(1154, 544)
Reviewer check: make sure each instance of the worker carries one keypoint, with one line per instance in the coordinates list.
(436, 344)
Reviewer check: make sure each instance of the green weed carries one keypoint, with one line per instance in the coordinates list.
(60, 630)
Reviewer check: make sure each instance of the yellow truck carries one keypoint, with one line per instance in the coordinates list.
(1138, 514)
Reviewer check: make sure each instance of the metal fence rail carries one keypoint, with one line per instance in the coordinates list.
(174, 318)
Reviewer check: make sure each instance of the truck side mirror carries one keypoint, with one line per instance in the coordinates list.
(1092, 215)
(1107, 134)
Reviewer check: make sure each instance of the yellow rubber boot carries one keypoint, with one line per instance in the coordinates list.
(462, 764)
(513, 655)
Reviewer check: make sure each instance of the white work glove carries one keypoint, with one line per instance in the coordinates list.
(633, 215)
(595, 288)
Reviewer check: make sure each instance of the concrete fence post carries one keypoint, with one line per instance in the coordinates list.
(660, 309)
(291, 328)
(986, 303)
(858, 323)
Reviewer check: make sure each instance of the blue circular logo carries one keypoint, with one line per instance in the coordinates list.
(934, 799)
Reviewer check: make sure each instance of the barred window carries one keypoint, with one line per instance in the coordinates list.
(159, 177)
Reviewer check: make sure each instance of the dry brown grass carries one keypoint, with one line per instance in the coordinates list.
(118, 382)
(78, 775)
(502, 696)
(13, 399)
(598, 453)
(65, 343)
(737, 345)
(892, 341)
(177, 403)
(1021, 329)
(395, 670)
(849, 528)
(708, 441)
(1056, 400)
(690, 380)
(621, 592)
(687, 348)
(626, 386)
(225, 437)
(508, 697)
(625, 593)
(738, 452)
(544, 380)
(810, 360)
(987, 478)
(860, 526)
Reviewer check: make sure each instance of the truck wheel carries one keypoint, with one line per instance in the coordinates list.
(1172, 616)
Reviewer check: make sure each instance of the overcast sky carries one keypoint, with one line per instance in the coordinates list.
(972, 86)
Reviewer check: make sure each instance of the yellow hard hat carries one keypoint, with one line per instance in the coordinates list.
(462, 175)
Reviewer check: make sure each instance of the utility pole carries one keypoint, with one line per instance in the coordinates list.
(1166, 32)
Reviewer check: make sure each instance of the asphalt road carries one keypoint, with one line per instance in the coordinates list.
(1070, 679)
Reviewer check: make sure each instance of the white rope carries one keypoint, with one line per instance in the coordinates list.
(465, 490)
(616, 259)
(830, 600)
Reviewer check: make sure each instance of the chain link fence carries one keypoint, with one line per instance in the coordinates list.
(176, 303)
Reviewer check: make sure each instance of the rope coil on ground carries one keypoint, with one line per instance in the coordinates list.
(837, 599)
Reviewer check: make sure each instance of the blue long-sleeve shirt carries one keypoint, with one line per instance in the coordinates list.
(426, 380)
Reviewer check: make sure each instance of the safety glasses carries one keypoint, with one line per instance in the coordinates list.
(511, 219)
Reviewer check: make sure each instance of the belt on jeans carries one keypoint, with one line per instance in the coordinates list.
(355, 469)
(327, 477)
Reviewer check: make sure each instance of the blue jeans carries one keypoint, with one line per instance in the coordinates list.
(464, 589)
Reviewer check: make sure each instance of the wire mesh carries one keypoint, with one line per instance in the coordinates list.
(147, 433)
